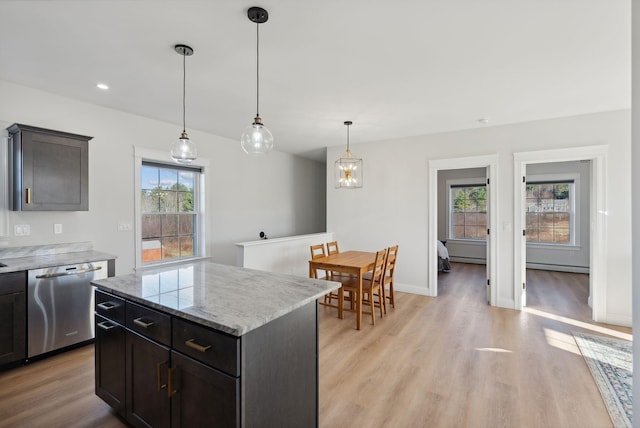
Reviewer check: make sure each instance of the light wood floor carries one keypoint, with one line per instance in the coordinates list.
(450, 361)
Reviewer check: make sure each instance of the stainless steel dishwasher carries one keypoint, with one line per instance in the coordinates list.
(60, 306)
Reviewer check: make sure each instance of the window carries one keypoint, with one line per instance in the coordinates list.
(468, 212)
(169, 211)
(550, 212)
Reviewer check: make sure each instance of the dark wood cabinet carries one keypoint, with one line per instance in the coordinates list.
(201, 395)
(148, 401)
(50, 170)
(110, 373)
(178, 373)
(13, 317)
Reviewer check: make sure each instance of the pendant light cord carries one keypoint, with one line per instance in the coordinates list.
(348, 138)
(184, 85)
(257, 68)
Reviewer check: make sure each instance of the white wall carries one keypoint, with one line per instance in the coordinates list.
(280, 194)
(392, 205)
(635, 160)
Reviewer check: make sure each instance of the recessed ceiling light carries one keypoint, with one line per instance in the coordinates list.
(483, 120)
(102, 86)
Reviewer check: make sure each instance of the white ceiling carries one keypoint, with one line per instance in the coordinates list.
(395, 68)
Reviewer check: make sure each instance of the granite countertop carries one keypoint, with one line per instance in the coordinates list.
(43, 256)
(228, 298)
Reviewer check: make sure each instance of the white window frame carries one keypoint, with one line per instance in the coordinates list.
(574, 217)
(467, 182)
(142, 154)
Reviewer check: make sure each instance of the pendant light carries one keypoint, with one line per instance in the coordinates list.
(184, 150)
(256, 138)
(348, 168)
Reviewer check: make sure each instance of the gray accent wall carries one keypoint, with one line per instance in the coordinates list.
(465, 251)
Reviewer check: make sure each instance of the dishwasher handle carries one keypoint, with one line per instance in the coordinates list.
(74, 272)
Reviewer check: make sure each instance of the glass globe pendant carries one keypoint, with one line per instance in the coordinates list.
(184, 150)
(256, 138)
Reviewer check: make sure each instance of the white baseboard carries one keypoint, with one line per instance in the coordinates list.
(468, 260)
(558, 268)
(617, 319)
(413, 289)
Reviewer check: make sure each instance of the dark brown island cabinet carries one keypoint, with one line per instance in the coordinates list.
(156, 369)
(49, 169)
(13, 317)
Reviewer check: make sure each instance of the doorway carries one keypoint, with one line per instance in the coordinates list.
(462, 223)
(557, 217)
(490, 162)
(597, 183)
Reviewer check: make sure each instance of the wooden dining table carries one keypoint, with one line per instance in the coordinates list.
(351, 262)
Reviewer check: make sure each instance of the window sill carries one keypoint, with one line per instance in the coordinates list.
(170, 263)
(478, 242)
(561, 247)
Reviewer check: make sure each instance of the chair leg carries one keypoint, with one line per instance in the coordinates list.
(340, 303)
(381, 299)
(384, 298)
(391, 298)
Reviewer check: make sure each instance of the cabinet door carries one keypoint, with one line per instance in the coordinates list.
(148, 402)
(202, 396)
(51, 170)
(110, 351)
(12, 327)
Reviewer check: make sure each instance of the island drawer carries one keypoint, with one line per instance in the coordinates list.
(148, 322)
(110, 306)
(212, 347)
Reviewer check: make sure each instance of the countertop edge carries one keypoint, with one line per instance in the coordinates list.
(17, 264)
(233, 330)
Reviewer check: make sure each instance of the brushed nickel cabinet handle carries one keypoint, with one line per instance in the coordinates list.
(106, 325)
(140, 323)
(107, 306)
(161, 385)
(191, 343)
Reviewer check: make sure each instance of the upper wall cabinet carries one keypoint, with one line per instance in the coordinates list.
(50, 170)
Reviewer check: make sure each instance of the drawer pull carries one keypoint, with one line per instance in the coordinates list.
(106, 325)
(191, 343)
(107, 306)
(161, 385)
(140, 323)
(170, 390)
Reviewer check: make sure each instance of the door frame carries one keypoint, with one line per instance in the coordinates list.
(597, 207)
(490, 162)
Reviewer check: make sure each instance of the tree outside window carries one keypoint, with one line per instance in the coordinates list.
(169, 217)
(468, 212)
(549, 212)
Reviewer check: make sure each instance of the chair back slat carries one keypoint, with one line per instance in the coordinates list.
(332, 248)
(390, 265)
(378, 269)
(317, 251)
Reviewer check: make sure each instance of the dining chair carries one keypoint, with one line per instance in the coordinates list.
(332, 248)
(389, 269)
(370, 287)
(318, 251)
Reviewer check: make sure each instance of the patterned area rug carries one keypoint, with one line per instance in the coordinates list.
(610, 362)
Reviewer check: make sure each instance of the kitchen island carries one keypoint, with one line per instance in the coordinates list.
(203, 344)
